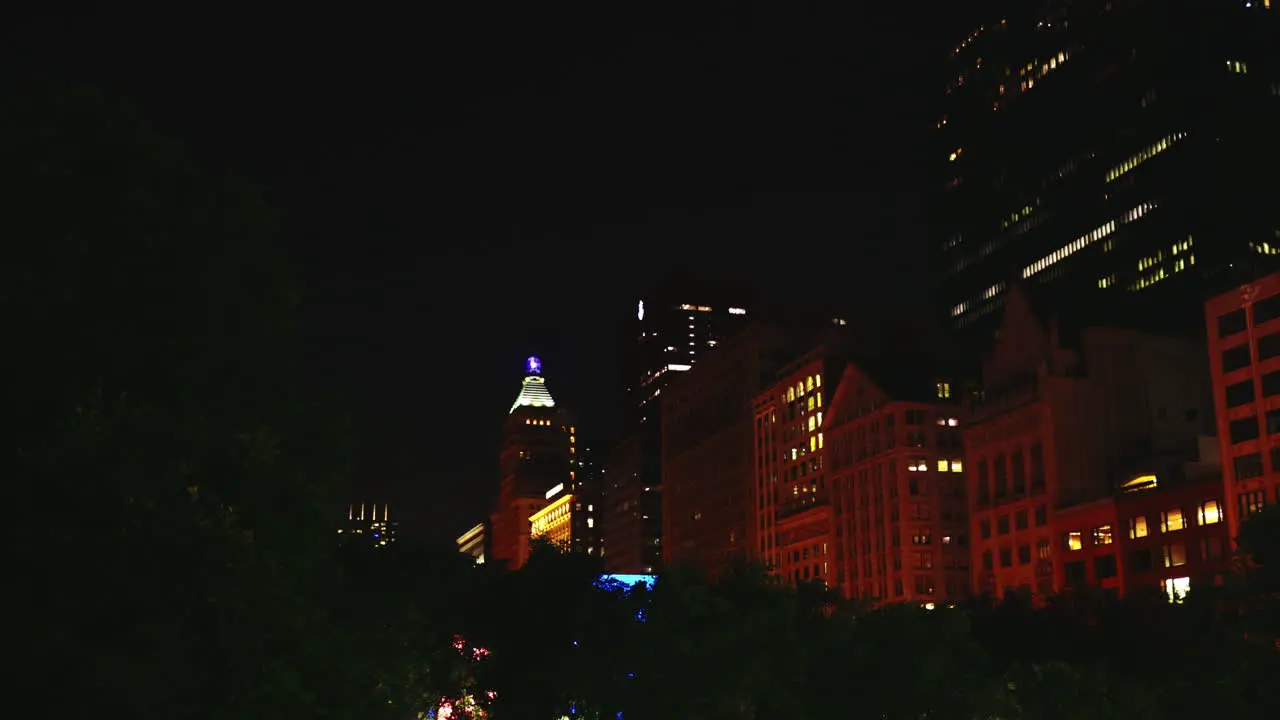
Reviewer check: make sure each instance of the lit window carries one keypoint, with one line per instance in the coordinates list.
(819, 397)
(1177, 588)
(817, 379)
(810, 402)
(813, 422)
(591, 522)
(1210, 512)
(1102, 535)
(808, 383)
(1175, 555)
(813, 443)
(917, 465)
(791, 394)
(942, 465)
(1172, 520)
(1137, 527)
(957, 465)
(1072, 540)
(819, 441)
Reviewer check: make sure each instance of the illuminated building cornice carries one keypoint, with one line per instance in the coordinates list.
(533, 391)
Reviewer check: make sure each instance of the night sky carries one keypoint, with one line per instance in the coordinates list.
(462, 188)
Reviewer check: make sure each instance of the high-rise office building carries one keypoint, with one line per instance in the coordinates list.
(671, 334)
(671, 329)
(1113, 150)
(536, 465)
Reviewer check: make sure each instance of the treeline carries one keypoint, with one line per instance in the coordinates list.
(170, 481)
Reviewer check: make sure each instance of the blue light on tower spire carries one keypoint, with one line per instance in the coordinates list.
(533, 391)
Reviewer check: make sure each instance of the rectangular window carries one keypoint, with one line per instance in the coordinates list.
(1001, 471)
(1037, 468)
(1240, 393)
(1266, 309)
(1211, 549)
(1236, 358)
(1175, 555)
(1102, 535)
(1243, 430)
(1172, 520)
(1137, 527)
(1177, 588)
(1231, 323)
(1247, 466)
(1072, 541)
(1211, 510)
(1251, 502)
(1269, 346)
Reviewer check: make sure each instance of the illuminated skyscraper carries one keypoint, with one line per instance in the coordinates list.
(539, 468)
(1111, 151)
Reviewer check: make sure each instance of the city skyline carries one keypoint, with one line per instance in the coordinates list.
(538, 144)
(589, 361)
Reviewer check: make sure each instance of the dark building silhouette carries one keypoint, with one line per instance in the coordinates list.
(586, 483)
(1117, 151)
(368, 524)
(632, 507)
(708, 451)
(671, 329)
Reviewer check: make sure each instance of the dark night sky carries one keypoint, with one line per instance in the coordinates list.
(462, 190)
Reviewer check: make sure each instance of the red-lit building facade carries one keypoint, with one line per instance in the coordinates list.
(708, 457)
(536, 464)
(1062, 408)
(895, 466)
(795, 529)
(1244, 361)
(1164, 529)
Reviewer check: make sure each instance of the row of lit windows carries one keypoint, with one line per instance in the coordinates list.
(1071, 248)
(919, 464)
(1030, 73)
(807, 385)
(1210, 513)
(1089, 238)
(531, 421)
(987, 294)
(1144, 155)
(1182, 256)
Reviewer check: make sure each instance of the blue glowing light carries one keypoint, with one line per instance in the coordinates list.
(627, 580)
(533, 365)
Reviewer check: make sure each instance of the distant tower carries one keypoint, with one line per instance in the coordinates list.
(368, 524)
(535, 466)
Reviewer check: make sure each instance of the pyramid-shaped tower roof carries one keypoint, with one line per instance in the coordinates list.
(533, 391)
